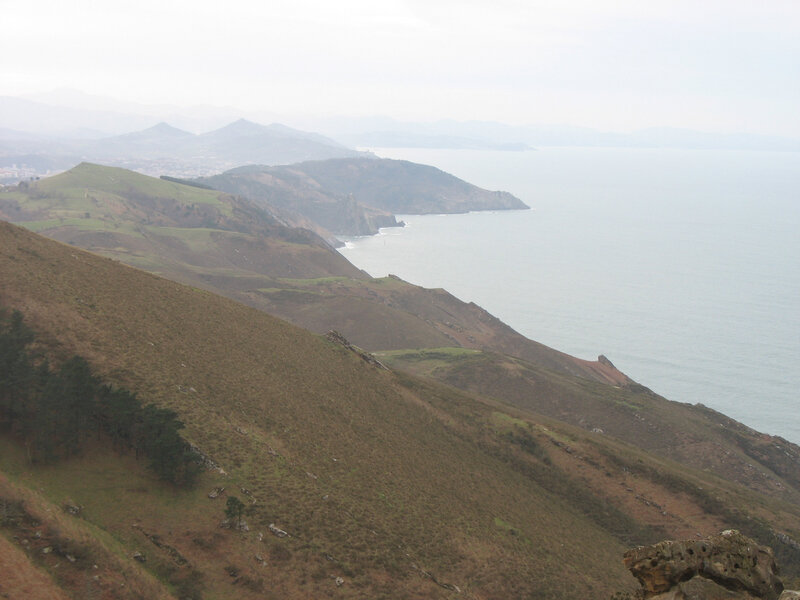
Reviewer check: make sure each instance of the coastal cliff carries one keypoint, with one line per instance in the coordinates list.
(360, 195)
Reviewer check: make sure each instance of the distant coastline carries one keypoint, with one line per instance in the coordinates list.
(595, 267)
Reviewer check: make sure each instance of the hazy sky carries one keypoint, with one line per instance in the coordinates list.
(728, 65)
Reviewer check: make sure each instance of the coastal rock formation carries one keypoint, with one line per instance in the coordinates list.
(725, 566)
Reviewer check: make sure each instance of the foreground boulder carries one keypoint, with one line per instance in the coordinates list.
(728, 566)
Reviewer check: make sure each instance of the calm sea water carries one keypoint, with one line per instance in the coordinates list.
(683, 267)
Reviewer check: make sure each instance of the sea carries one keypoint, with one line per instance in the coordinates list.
(681, 266)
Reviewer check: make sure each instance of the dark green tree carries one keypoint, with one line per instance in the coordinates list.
(233, 510)
(156, 433)
(74, 404)
(16, 368)
(119, 409)
(40, 422)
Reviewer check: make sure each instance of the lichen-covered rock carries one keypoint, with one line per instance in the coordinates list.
(732, 562)
(700, 588)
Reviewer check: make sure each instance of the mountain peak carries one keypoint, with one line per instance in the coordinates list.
(158, 132)
(164, 128)
(239, 128)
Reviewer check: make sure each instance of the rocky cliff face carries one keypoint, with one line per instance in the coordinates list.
(728, 566)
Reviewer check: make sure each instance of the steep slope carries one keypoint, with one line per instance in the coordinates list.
(188, 233)
(298, 194)
(351, 461)
(399, 487)
(225, 244)
(690, 434)
(391, 314)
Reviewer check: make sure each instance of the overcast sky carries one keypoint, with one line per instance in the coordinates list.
(728, 65)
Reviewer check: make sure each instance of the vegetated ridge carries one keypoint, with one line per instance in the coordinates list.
(300, 199)
(183, 231)
(358, 481)
(227, 244)
(404, 187)
(357, 196)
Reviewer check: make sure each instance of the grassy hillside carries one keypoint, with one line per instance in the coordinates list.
(356, 196)
(402, 482)
(225, 244)
(692, 435)
(298, 195)
(390, 314)
(400, 487)
(185, 232)
(403, 187)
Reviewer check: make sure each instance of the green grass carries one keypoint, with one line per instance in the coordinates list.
(287, 292)
(88, 178)
(504, 419)
(315, 281)
(445, 353)
(99, 489)
(83, 224)
(184, 232)
(197, 239)
(427, 360)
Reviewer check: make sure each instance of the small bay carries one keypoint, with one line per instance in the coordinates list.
(681, 266)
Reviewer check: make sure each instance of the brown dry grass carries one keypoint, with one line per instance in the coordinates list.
(378, 470)
(684, 433)
(19, 578)
(99, 569)
(404, 487)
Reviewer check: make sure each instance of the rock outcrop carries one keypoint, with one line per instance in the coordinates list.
(338, 338)
(728, 566)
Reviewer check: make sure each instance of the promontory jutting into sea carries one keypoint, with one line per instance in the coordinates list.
(681, 266)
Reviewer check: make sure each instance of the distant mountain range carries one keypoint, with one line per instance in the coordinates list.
(58, 129)
(238, 143)
(166, 150)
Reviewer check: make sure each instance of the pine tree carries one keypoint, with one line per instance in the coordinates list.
(16, 368)
(233, 510)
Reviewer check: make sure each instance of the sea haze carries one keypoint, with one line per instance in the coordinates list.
(682, 267)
